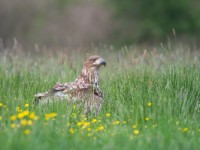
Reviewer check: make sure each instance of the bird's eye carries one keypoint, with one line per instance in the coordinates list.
(93, 59)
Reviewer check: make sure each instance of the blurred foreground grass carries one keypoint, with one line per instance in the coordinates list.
(151, 100)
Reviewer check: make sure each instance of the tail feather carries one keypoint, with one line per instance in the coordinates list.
(49, 97)
(40, 97)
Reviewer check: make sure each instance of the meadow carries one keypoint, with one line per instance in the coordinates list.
(152, 100)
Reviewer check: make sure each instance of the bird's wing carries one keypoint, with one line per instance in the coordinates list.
(70, 92)
(70, 87)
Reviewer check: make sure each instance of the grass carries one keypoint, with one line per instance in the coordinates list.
(151, 101)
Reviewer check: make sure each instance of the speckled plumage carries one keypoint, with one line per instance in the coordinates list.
(84, 89)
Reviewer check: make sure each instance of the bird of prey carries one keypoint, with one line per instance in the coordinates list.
(84, 89)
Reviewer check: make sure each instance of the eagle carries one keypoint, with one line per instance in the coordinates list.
(84, 89)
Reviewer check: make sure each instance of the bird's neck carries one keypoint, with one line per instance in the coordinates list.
(89, 77)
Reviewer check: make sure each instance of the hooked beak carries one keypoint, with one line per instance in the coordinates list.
(100, 62)
(103, 62)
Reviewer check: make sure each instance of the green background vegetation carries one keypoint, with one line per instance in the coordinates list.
(78, 23)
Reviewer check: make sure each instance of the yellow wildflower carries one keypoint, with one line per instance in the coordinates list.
(185, 129)
(26, 105)
(33, 116)
(94, 120)
(147, 119)
(136, 132)
(25, 113)
(86, 124)
(20, 115)
(71, 130)
(30, 122)
(100, 128)
(24, 122)
(1, 104)
(149, 104)
(89, 129)
(107, 115)
(116, 122)
(79, 124)
(12, 125)
(134, 126)
(27, 131)
(50, 115)
(13, 118)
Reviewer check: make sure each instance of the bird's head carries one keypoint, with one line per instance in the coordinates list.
(94, 63)
(91, 68)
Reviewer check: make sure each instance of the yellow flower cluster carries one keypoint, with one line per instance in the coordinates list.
(23, 119)
(116, 122)
(50, 116)
(24, 114)
(86, 126)
(100, 128)
(33, 116)
(135, 131)
(83, 124)
(25, 122)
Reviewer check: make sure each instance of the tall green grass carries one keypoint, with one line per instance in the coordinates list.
(156, 93)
